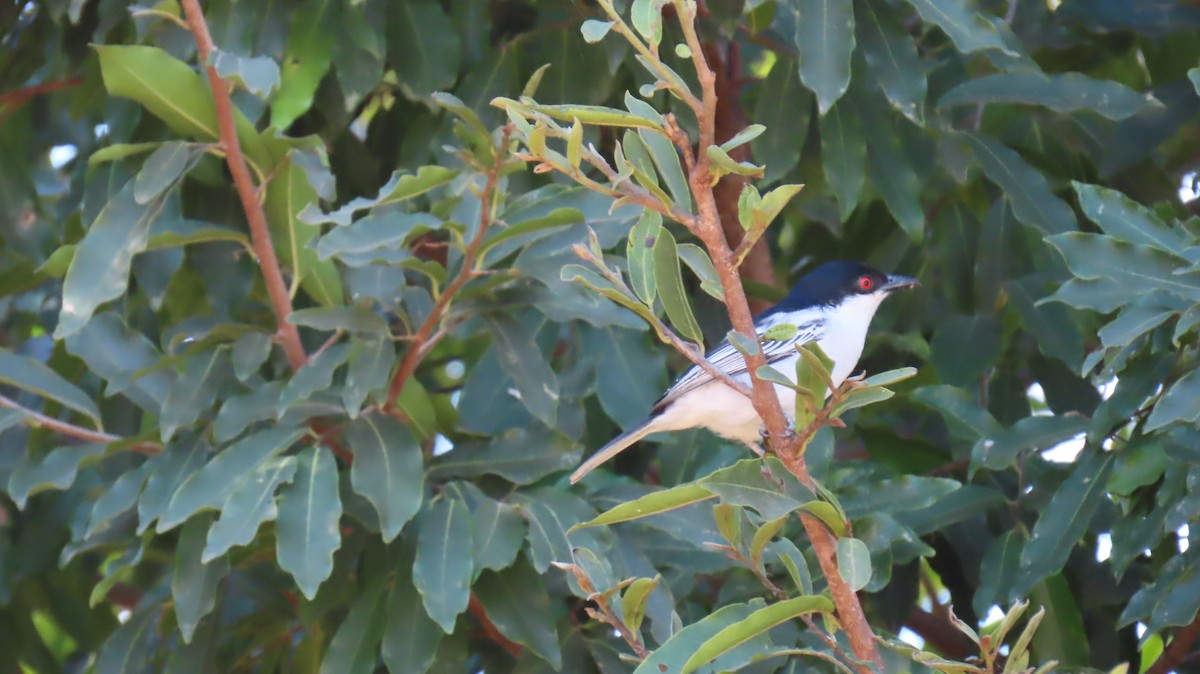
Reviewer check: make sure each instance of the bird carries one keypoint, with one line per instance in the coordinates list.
(832, 305)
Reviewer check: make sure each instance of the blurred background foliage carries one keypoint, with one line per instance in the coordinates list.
(1033, 162)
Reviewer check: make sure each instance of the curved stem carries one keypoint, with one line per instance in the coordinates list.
(39, 420)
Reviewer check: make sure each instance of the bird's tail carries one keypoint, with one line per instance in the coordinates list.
(614, 447)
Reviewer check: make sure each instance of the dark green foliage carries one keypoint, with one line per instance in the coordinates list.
(209, 510)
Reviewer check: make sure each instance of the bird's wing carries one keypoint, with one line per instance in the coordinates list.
(728, 360)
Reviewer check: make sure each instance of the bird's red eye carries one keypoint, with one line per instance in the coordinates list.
(865, 283)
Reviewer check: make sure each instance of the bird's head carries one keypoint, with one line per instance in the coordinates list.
(844, 283)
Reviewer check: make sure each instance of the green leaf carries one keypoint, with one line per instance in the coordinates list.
(368, 374)
(194, 391)
(499, 531)
(249, 352)
(1057, 334)
(676, 651)
(891, 55)
(639, 253)
(120, 498)
(854, 562)
(118, 151)
(670, 288)
(162, 169)
(970, 29)
(55, 470)
(306, 532)
(1061, 636)
(350, 319)
(209, 487)
(1098, 294)
(726, 164)
(411, 638)
(354, 647)
(963, 415)
(387, 469)
(1133, 322)
(423, 46)
(402, 186)
(756, 624)
(901, 494)
(27, 374)
(844, 155)
(1178, 403)
(594, 31)
(745, 484)
(596, 115)
(99, 272)
(195, 584)
(375, 237)
(1125, 219)
(257, 74)
(1032, 201)
(893, 150)
(251, 503)
(316, 375)
(307, 57)
(742, 137)
(289, 195)
(443, 568)
(167, 471)
(966, 347)
(522, 359)
(796, 565)
(646, 16)
(890, 377)
(551, 513)
(1136, 268)
(763, 536)
(516, 602)
(630, 375)
(1065, 520)
(1000, 451)
(824, 41)
(784, 107)
(651, 504)
(521, 456)
(132, 646)
(663, 153)
(1064, 92)
(998, 572)
(770, 374)
(633, 602)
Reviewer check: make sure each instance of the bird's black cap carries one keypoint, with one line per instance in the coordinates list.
(833, 281)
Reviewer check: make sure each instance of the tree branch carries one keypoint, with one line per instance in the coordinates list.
(428, 334)
(1178, 649)
(18, 97)
(39, 420)
(489, 628)
(260, 235)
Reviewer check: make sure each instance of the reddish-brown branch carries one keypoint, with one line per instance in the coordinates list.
(729, 121)
(39, 420)
(19, 97)
(260, 235)
(1178, 649)
(489, 628)
(428, 334)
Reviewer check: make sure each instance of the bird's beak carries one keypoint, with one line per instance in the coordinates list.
(898, 282)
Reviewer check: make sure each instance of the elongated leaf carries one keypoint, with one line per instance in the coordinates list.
(27, 374)
(745, 484)
(1065, 92)
(1032, 201)
(55, 470)
(249, 352)
(652, 504)
(640, 255)
(631, 373)
(307, 531)
(520, 456)
(909, 492)
(350, 319)
(1066, 518)
(1136, 268)
(167, 471)
(844, 155)
(1179, 403)
(423, 46)
(784, 107)
(683, 643)
(403, 185)
(755, 624)
(209, 487)
(99, 272)
(251, 503)
(670, 288)
(387, 469)
(965, 347)
(633, 602)
(442, 572)
(516, 602)
(374, 237)
(258, 74)
(163, 168)
(1000, 451)
(964, 24)
(289, 194)
(499, 532)
(307, 57)
(354, 647)
(368, 374)
(522, 359)
(195, 583)
(1098, 294)
(315, 376)
(854, 562)
(963, 415)
(891, 54)
(1125, 219)
(892, 151)
(411, 637)
(824, 41)
(551, 513)
(194, 391)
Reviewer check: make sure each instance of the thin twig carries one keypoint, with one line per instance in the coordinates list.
(428, 334)
(39, 420)
(24, 94)
(260, 235)
(1178, 649)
